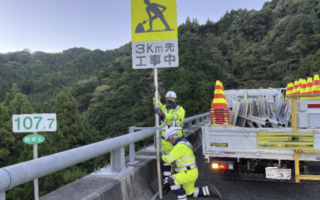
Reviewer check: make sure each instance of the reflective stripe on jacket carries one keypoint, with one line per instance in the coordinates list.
(182, 153)
(173, 117)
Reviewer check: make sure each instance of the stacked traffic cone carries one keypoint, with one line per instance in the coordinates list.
(316, 86)
(219, 100)
(299, 85)
(221, 86)
(219, 112)
(289, 89)
(309, 85)
(295, 87)
(303, 89)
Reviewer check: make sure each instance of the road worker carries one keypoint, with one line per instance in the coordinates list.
(182, 183)
(171, 115)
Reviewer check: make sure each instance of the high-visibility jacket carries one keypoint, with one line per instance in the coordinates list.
(172, 117)
(183, 155)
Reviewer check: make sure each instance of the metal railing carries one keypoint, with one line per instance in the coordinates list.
(15, 175)
(299, 177)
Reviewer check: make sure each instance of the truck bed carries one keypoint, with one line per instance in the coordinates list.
(239, 142)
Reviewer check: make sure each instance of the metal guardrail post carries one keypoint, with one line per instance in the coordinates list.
(203, 119)
(189, 125)
(131, 149)
(3, 195)
(118, 160)
(197, 122)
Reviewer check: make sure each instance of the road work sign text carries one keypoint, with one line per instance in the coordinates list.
(155, 54)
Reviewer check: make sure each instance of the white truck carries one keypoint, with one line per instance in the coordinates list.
(265, 153)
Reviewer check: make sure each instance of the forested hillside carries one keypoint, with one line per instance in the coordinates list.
(103, 95)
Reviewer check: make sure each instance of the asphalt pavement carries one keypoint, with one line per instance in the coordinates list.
(251, 190)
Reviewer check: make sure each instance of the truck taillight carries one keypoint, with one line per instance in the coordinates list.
(222, 166)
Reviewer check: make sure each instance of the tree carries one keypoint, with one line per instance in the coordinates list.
(70, 130)
(7, 138)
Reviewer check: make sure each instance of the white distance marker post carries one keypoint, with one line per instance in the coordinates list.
(34, 123)
(35, 182)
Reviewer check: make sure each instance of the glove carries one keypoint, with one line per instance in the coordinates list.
(162, 153)
(158, 111)
(154, 89)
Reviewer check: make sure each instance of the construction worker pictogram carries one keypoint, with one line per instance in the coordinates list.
(154, 20)
(157, 11)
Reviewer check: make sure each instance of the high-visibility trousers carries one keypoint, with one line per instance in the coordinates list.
(187, 179)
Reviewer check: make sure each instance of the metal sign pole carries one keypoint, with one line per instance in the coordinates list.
(157, 133)
(35, 182)
(3, 195)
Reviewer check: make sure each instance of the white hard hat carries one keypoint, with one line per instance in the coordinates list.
(171, 94)
(171, 132)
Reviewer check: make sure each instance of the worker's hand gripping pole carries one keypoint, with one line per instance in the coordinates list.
(158, 138)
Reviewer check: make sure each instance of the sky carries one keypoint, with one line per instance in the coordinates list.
(57, 25)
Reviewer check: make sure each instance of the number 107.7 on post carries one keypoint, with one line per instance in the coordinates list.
(34, 123)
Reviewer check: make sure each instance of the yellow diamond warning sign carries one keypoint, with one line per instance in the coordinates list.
(154, 20)
(154, 34)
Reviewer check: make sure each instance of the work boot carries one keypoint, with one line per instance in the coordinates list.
(214, 192)
(165, 189)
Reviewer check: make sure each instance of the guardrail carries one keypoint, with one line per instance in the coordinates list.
(14, 175)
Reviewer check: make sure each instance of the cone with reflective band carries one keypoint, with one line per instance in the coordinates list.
(303, 89)
(309, 85)
(219, 112)
(295, 87)
(219, 100)
(289, 89)
(299, 85)
(316, 86)
(221, 84)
